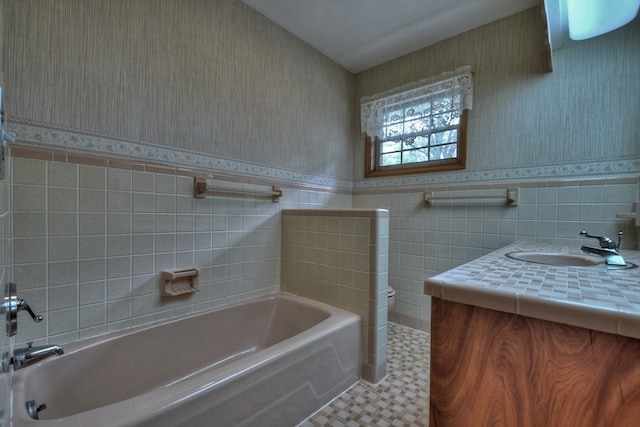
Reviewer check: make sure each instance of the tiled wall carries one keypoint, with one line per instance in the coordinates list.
(425, 241)
(91, 236)
(340, 257)
(5, 277)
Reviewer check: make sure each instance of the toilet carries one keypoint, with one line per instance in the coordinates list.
(391, 297)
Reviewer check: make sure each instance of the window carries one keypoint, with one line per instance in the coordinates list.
(418, 128)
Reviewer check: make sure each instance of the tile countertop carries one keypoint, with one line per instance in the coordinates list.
(597, 298)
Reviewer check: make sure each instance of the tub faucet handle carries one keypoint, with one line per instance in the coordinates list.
(11, 305)
(22, 305)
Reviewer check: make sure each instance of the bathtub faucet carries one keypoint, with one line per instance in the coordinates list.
(23, 357)
(608, 249)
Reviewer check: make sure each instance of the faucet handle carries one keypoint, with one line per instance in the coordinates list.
(11, 305)
(605, 242)
(22, 305)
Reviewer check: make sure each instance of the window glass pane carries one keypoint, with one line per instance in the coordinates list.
(390, 146)
(415, 156)
(443, 120)
(417, 126)
(442, 152)
(390, 159)
(394, 130)
(417, 142)
(445, 137)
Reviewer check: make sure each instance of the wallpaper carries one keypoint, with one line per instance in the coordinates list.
(586, 110)
(210, 76)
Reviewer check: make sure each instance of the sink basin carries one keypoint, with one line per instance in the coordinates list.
(557, 258)
(561, 259)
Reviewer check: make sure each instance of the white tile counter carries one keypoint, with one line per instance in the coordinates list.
(597, 298)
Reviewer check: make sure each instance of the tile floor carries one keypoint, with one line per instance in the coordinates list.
(400, 399)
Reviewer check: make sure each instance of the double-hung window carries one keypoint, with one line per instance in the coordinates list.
(420, 127)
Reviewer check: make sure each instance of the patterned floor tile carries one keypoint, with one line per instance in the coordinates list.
(400, 399)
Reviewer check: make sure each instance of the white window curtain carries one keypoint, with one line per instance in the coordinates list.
(456, 86)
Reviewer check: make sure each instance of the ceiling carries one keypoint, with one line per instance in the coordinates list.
(360, 34)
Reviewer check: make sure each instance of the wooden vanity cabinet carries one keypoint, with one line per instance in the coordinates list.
(490, 368)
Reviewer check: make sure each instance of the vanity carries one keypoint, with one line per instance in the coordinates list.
(521, 343)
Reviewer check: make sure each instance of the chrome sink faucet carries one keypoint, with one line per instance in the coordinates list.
(23, 357)
(608, 249)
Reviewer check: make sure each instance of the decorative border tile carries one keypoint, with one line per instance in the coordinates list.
(605, 168)
(71, 140)
(40, 136)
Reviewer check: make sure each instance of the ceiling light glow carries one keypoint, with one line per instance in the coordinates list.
(591, 18)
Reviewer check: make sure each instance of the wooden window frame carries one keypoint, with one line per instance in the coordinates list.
(372, 166)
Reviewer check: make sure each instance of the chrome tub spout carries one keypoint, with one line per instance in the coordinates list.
(23, 357)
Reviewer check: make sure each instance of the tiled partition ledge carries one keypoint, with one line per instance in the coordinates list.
(92, 234)
(340, 257)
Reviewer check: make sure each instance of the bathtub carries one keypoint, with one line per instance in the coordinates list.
(271, 361)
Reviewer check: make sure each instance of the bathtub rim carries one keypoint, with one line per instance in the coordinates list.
(82, 343)
(138, 407)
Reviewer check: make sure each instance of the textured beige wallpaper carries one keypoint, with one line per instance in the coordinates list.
(2, 37)
(586, 110)
(211, 76)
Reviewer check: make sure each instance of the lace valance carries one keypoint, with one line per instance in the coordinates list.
(456, 87)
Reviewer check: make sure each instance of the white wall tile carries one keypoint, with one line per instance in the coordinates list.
(29, 250)
(92, 269)
(119, 201)
(62, 248)
(119, 223)
(62, 174)
(29, 224)
(118, 267)
(92, 223)
(61, 321)
(28, 171)
(62, 199)
(29, 198)
(92, 200)
(91, 315)
(165, 184)
(92, 292)
(118, 245)
(143, 182)
(143, 223)
(118, 288)
(119, 179)
(65, 296)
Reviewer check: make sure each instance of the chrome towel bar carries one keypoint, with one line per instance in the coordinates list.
(510, 195)
(202, 188)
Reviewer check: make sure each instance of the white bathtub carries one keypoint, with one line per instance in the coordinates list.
(271, 361)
